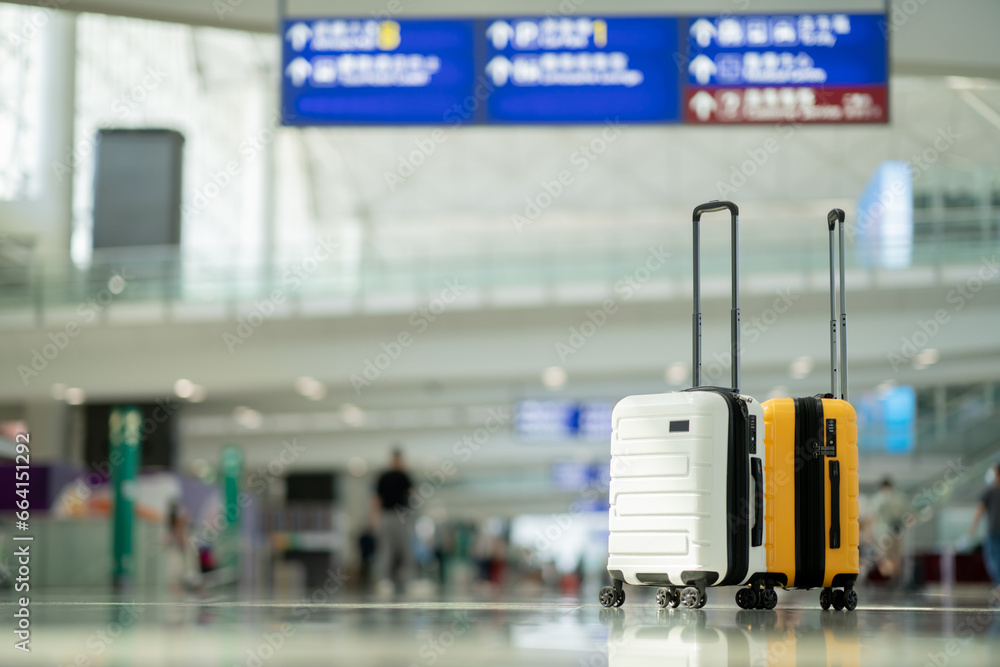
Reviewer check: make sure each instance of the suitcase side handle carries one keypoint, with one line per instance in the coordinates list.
(757, 472)
(832, 218)
(734, 211)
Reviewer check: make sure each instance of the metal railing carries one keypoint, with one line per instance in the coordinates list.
(547, 262)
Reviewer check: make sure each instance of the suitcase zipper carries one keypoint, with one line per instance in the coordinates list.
(810, 515)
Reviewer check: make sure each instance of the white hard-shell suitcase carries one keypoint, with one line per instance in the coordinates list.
(687, 478)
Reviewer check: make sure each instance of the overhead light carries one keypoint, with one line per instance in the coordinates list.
(184, 388)
(74, 396)
(311, 388)
(58, 391)
(554, 377)
(198, 394)
(801, 367)
(677, 373)
(926, 358)
(247, 417)
(352, 415)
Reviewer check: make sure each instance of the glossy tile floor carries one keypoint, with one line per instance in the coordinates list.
(962, 628)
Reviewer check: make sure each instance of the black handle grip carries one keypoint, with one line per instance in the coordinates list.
(834, 504)
(757, 472)
(833, 217)
(713, 206)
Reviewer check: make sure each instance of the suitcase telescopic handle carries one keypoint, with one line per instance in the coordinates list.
(734, 211)
(832, 218)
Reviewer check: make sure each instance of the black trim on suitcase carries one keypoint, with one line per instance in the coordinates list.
(738, 492)
(757, 472)
(810, 501)
(844, 580)
(738, 488)
(834, 504)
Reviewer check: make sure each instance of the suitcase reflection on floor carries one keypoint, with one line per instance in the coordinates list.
(748, 638)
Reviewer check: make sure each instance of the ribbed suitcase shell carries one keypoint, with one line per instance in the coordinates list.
(668, 494)
(841, 563)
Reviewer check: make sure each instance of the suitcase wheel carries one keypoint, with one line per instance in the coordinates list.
(746, 598)
(668, 596)
(826, 598)
(838, 600)
(607, 596)
(663, 597)
(620, 597)
(768, 599)
(851, 600)
(692, 598)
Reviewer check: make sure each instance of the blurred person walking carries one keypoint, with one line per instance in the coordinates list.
(888, 510)
(183, 571)
(392, 522)
(989, 505)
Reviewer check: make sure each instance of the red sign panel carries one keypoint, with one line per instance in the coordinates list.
(798, 104)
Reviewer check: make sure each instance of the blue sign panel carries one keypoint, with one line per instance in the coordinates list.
(582, 70)
(807, 49)
(371, 71)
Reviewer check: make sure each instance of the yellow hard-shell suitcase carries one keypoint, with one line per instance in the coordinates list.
(811, 481)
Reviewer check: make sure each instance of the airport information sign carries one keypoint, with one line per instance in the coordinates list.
(589, 70)
(370, 71)
(584, 69)
(798, 68)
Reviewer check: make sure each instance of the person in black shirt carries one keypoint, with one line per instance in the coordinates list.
(391, 519)
(989, 505)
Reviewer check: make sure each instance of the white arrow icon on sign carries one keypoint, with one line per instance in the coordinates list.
(500, 33)
(703, 31)
(702, 68)
(499, 69)
(299, 34)
(299, 70)
(703, 104)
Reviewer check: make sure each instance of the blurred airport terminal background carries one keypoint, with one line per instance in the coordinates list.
(219, 317)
